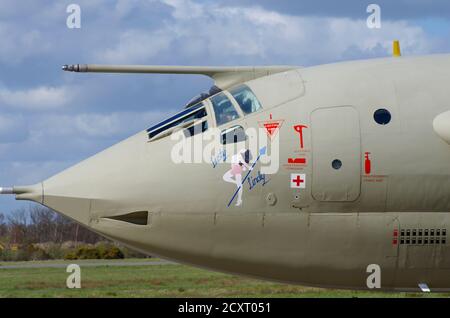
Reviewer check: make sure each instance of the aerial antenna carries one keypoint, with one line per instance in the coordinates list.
(396, 49)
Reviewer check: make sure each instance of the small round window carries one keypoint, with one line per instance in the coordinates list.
(382, 116)
(336, 164)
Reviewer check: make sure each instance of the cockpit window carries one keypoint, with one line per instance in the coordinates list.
(182, 119)
(246, 99)
(196, 129)
(224, 109)
(199, 98)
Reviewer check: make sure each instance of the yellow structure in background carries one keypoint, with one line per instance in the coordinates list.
(396, 49)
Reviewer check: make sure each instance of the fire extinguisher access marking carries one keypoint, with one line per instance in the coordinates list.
(369, 168)
(367, 164)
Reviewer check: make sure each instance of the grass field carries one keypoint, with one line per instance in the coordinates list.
(156, 281)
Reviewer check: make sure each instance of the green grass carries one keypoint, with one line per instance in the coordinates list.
(158, 281)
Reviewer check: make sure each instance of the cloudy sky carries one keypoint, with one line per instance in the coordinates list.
(50, 120)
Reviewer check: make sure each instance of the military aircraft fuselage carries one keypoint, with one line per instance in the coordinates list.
(362, 178)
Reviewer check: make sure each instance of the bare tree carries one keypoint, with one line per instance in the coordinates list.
(3, 226)
(18, 226)
(39, 225)
(42, 223)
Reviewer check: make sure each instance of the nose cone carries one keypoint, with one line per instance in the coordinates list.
(96, 182)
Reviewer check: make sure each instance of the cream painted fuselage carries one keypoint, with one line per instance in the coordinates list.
(388, 207)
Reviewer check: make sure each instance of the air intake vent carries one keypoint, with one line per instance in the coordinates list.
(429, 236)
(138, 218)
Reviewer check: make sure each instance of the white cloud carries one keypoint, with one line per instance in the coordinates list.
(135, 46)
(94, 125)
(214, 33)
(13, 128)
(28, 172)
(17, 44)
(115, 124)
(186, 10)
(40, 98)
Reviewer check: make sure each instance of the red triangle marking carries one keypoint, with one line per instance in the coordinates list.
(272, 127)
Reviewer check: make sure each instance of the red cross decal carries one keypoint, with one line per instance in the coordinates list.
(298, 180)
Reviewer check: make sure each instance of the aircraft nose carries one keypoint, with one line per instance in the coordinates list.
(100, 181)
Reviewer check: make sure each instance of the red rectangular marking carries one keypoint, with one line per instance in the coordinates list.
(297, 160)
